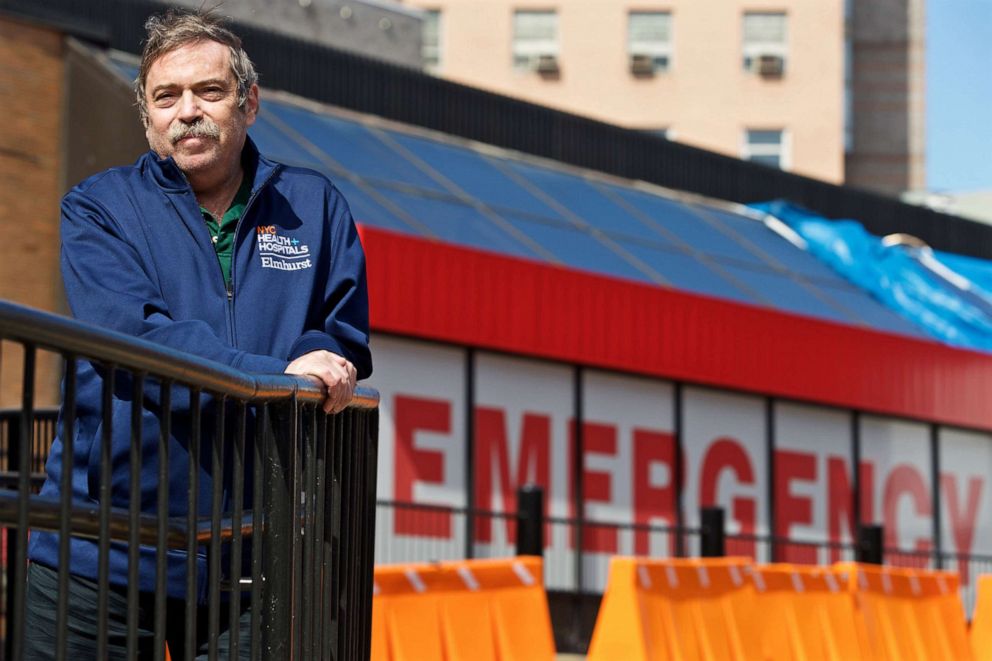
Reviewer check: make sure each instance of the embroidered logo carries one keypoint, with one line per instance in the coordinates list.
(283, 253)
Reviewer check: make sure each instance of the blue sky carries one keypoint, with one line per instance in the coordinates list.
(959, 94)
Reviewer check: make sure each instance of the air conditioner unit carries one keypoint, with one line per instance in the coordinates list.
(769, 65)
(642, 65)
(546, 64)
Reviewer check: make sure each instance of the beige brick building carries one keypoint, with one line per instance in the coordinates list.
(825, 88)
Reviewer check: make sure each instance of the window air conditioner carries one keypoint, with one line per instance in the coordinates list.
(642, 65)
(770, 65)
(546, 64)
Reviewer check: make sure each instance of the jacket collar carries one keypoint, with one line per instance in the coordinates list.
(167, 175)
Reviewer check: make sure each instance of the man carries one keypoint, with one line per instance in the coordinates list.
(183, 248)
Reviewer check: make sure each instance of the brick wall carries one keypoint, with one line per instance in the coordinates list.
(31, 95)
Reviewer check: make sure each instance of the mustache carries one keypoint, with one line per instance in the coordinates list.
(201, 128)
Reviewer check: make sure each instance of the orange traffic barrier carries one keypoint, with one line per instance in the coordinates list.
(806, 614)
(472, 610)
(981, 621)
(676, 609)
(908, 614)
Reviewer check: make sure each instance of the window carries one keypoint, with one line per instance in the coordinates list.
(649, 41)
(430, 40)
(535, 41)
(765, 146)
(765, 45)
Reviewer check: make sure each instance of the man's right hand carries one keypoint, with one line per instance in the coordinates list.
(335, 372)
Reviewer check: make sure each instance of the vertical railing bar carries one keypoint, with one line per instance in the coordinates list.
(348, 514)
(348, 549)
(161, 554)
(363, 599)
(103, 552)
(368, 451)
(259, 526)
(134, 514)
(192, 509)
(336, 534)
(372, 438)
(317, 536)
(296, 541)
(332, 532)
(356, 556)
(238, 494)
(309, 526)
(23, 493)
(214, 554)
(65, 497)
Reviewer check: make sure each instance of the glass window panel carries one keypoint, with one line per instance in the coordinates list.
(475, 175)
(431, 39)
(458, 223)
(771, 160)
(588, 203)
(577, 249)
(686, 272)
(535, 33)
(649, 30)
(762, 27)
(366, 211)
(759, 137)
(354, 147)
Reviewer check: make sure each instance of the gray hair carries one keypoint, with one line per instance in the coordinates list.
(177, 28)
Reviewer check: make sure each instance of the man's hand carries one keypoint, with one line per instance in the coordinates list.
(336, 372)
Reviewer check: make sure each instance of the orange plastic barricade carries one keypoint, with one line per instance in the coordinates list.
(981, 621)
(908, 614)
(472, 610)
(676, 609)
(806, 614)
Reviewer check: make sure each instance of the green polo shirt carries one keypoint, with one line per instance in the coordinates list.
(222, 233)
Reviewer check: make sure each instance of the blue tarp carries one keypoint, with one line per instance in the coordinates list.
(949, 296)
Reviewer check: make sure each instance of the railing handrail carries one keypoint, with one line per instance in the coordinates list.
(70, 336)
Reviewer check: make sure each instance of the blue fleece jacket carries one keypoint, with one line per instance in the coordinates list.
(137, 258)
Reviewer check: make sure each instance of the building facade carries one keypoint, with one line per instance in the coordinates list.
(790, 83)
(381, 29)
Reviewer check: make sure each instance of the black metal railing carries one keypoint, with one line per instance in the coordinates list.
(269, 503)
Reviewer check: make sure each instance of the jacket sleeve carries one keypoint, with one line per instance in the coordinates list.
(342, 326)
(107, 284)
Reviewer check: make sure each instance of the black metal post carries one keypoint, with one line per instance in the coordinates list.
(713, 540)
(13, 461)
(470, 503)
(679, 471)
(870, 544)
(276, 588)
(530, 520)
(935, 504)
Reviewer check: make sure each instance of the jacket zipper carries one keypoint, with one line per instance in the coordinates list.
(234, 247)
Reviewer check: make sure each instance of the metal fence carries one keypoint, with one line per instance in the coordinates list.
(280, 502)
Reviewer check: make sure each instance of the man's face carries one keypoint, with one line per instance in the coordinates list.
(193, 112)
